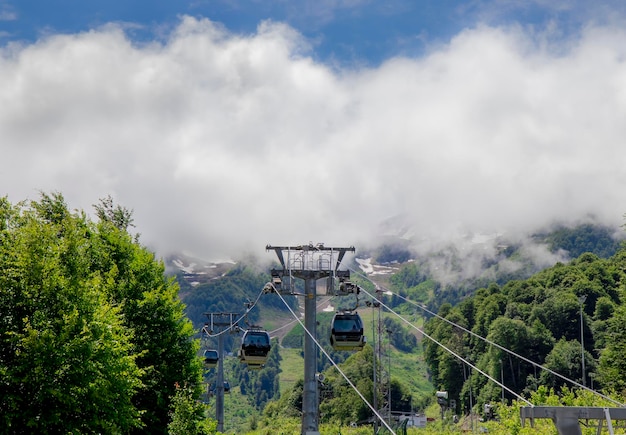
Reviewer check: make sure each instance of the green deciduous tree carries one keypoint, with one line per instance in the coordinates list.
(513, 335)
(612, 361)
(66, 360)
(566, 359)
(188, 415)
(150, 307)
(93, 338)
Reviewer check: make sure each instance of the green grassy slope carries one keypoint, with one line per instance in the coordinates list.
(292, 368)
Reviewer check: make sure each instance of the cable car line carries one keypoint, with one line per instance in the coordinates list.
(334, 363)
(449, 350)
(235, 324)
(286, 325)
(421, 306)
(486, 340)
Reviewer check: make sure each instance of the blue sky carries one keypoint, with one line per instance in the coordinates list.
(360, 31)
(227, 126)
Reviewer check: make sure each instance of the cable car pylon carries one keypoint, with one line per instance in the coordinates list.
(310, 263)
(218, 324)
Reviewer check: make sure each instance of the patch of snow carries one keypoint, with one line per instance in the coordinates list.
(187, 269)
(365, 265)
(383, 270)
(479, 239)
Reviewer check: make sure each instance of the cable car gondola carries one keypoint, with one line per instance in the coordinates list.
(255, 345)
(210, 358)
(347, 331)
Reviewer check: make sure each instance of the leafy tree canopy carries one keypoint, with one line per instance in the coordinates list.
(93, 338)
(540, 319)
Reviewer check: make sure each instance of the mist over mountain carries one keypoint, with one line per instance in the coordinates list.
(470, 260)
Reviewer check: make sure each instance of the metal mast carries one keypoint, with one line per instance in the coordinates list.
(310, 263)
(375, 306)
(218, 323)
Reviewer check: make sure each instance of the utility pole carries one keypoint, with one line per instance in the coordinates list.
(581, 300)
(374, 306)
(502, 379)
(310, 263)
(385, 373)
(218, 324)
(219, 385)
(389, 332)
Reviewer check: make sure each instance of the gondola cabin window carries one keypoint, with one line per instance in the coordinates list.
(347, 325)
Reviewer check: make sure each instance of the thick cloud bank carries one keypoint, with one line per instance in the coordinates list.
(222, 143)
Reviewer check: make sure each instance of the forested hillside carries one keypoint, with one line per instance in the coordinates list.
(231, 293)
(539, 318)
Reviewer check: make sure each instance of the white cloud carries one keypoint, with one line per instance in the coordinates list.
(222, 143)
